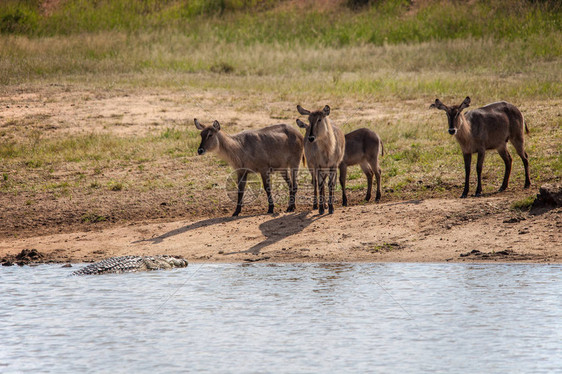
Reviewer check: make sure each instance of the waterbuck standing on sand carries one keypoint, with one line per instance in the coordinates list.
(489, 127)
(273, 148)
(324, 147)
(362, 147)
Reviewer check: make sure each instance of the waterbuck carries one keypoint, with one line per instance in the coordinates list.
(324, 147)
(273, 148)
(362, 147)
(489, 127)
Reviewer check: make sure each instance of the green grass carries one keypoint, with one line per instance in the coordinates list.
(524, 204)
(378, 67)
(270, 21)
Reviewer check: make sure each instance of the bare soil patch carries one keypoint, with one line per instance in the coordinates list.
(87, 219)
(478, 229)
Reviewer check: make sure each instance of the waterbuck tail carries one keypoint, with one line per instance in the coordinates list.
(382, 149)
(526, 128)
(303, 161)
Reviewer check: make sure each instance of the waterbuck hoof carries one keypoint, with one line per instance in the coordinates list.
(502, 188)
(378, 198)
(344, 203)
(321, 210)
(478, 194)
(270, 211)
(527, 185)
(235, 214)
(368, 197)
(330, 210)
(290, 209)
(314, 206)
(464, 195)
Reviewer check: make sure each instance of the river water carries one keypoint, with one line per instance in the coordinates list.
(284, 318)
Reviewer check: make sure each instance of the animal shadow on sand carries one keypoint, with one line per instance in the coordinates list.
(280, 228)
(193, 226)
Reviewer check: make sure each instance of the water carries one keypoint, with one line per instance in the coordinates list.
(284, 318)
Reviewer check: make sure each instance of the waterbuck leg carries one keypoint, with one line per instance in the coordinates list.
(479, 165)
(378, 172)
(525, 158)
(504, 154)
(242, 176)
(321, 185)
(294, 176)
(369, 174)
(267, 187)
(291, 206)
(467, 161)
(314, 173)
(331, 185)
(343, 175)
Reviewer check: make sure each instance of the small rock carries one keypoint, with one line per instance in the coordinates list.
(550, 196)
(513, 220)
(475, 252)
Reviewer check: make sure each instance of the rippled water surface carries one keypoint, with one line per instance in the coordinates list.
(287, 318)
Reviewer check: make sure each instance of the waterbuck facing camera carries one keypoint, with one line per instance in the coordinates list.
(488, 127)
(324, 150)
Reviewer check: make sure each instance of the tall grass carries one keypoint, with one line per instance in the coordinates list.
(273, 54)
(268, 21)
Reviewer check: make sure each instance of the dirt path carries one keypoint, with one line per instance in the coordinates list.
(431, 230)
(70, 213)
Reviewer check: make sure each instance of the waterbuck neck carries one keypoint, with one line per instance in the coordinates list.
(229, 149)
(325, 133)
(464, 132)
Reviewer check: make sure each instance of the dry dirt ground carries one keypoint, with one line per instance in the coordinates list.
(433, 229)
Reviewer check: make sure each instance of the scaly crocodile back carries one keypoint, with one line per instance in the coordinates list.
(126, 264)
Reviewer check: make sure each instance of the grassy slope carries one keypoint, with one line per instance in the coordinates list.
(389, 53)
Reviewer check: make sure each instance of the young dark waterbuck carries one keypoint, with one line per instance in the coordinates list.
(324, 147)
(362, 147)
(489, 127)
(273, 148)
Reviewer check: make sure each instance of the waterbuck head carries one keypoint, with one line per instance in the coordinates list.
(209, 140)
(453, 112)
(314, 120)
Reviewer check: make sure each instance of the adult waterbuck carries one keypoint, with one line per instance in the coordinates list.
(324, 147)
(273, 148)
(489, 127)
(362, 147)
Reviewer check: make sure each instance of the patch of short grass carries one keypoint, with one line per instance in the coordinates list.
(93, 217)
(524, 204)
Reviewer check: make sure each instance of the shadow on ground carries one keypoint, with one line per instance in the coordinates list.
(193, 226)
(280, 228)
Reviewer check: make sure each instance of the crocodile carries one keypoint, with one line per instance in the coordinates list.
(127, 264)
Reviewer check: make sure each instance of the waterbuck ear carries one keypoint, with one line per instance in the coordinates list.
(465, 103)
(198, 124)
(301, 124)
(303, 111)
(326, 110)
(216, 125)
(437, 105)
